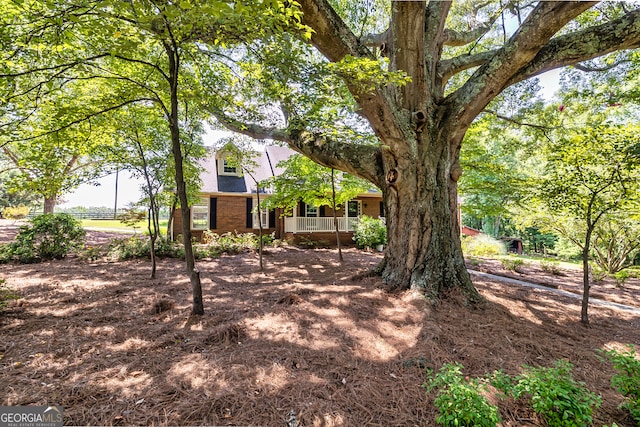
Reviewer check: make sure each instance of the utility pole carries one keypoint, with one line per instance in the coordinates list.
(115, 204)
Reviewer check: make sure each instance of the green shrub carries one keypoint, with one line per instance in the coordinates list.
(597, 273)
(512, 264)
(6, 294)
(556, 396)
(483, 245)
(552, 267)
(369, 232)
(627, 380)
(208, 237)
(48, 236)
(166, 248)
(501, 381)
(15, 212)
(621, 277)
(136, 247)
(235, 243)
(91, 253)
(461, 401)
(133, 247)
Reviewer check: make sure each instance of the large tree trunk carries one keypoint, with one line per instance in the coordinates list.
(421, 170)
(424, 249)
(49, 204)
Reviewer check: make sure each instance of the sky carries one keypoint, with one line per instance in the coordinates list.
(104, 195)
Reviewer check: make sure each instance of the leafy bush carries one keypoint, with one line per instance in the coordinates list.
(91, 253)
(369, 232)
(208, 237)
(627, 380)
(460, 400)
(552, 267)
(483, 245)
(597, 274)
(621, 277)
(512, 264)
(166, 248)
(136, 247)
(48, 236)
(6, 294)
(133, 247)
(562, 401)
(502, 382)
(15, 212)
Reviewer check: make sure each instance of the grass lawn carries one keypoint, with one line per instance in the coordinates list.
(538, 259)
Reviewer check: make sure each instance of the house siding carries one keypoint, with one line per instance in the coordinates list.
(230, 216)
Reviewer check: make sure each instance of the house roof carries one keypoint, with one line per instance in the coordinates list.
(209, 174)
(267, 161)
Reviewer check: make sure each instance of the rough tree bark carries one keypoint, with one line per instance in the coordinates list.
(420, 129)
(49, 204)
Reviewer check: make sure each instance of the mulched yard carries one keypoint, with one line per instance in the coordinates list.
(301, 340)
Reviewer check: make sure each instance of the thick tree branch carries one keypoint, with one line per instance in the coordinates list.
(435, 17)
(331, 35)
(333, 38)
(450, 67)
(590, 69)
(359, 160)
(570, 49)
(490, 79)
(457, 38)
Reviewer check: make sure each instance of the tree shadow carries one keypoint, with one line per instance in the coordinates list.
(300, 338)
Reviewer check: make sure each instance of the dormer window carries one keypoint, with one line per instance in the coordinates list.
(228, 169)
(225, 168)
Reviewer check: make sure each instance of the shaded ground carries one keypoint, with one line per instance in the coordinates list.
(567, 279)
(116, 348)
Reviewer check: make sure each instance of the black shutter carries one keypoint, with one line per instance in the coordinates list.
(303, 209)
(249, 212)
(272, 219)
(382, 210)
(213, 213)
(322, 212)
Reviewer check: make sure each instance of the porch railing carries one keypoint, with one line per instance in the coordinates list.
(323, 224)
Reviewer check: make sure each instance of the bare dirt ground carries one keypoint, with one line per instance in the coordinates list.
(302, 339)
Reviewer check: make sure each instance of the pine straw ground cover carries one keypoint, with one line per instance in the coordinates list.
(303, 339)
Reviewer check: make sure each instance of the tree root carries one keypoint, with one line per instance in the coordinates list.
(372, 272)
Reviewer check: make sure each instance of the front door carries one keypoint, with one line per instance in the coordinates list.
(354, 210)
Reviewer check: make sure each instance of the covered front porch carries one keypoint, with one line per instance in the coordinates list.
(318, 224)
